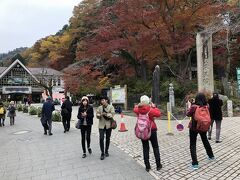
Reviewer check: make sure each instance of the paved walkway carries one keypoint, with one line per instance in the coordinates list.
(58, 157)
(32, 155)
(175, 153)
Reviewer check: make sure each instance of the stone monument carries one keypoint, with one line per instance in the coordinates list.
(156, 86)
(204, 62)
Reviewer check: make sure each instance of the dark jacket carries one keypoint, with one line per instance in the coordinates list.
(47, 109)
(152, 113)
(89, 117)
(67, 105)
(215, 109)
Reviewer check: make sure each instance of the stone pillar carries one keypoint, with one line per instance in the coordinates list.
(230, 108)
(204, 62)
(171, 95)
(156, 86)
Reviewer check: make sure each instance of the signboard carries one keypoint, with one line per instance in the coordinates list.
(17, 89)
(18, 81)
(118, 95)
(58, 89)
(180, 127)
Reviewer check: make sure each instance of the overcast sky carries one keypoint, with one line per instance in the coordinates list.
(23, 22)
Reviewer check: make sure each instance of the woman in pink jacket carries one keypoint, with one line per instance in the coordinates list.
(145, 107)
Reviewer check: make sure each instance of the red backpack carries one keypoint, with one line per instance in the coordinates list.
(203, 119)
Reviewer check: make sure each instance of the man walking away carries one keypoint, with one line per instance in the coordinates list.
(66, 114)
(47, 109)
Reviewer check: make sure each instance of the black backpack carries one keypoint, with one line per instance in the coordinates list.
(12, 110)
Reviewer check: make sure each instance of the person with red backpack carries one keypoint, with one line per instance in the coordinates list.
(146, 129)
(199, 124)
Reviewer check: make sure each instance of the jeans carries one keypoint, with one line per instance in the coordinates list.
(101, 139)
(66, 122)
(218, 129)
(193, 142)
(86, 134)
(154, 142)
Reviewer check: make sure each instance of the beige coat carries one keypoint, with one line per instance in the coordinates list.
(102, 121)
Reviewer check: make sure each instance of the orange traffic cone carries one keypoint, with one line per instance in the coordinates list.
(122, 125)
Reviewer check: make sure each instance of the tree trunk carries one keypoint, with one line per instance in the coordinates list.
(143, 70)
(188, 64)
(50, 91)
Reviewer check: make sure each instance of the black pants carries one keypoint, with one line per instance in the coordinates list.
(101, 139)
(66, 122)
(86, 135)
(154, 142)
(193, 142)
(2, 121)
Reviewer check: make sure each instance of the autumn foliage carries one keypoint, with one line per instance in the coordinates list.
(127, 38)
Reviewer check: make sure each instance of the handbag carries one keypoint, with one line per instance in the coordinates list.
(78, 124)
(113, 124)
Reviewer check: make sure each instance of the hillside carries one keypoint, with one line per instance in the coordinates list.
(4, 57)
(122, 41)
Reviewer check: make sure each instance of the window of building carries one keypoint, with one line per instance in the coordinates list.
(54, 82)
(59, 82)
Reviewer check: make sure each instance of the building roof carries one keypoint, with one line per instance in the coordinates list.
(6, 70)
(2, 69)
(38, 71)
(47, 71)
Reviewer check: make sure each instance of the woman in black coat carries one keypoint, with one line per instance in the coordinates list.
(85, 115)
(215, 105)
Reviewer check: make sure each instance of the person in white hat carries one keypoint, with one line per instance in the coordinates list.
(145, 107)
(11, 113)
(85, 115)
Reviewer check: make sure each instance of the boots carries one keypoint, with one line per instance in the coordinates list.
(147, 165)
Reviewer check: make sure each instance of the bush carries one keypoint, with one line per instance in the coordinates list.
(25, 109)
(56, 116)
(39, 111)
(32, 110)
(20, 107)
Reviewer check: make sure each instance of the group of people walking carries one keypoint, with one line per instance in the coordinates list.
(85, 117)
(105, 112)
(11, 113)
